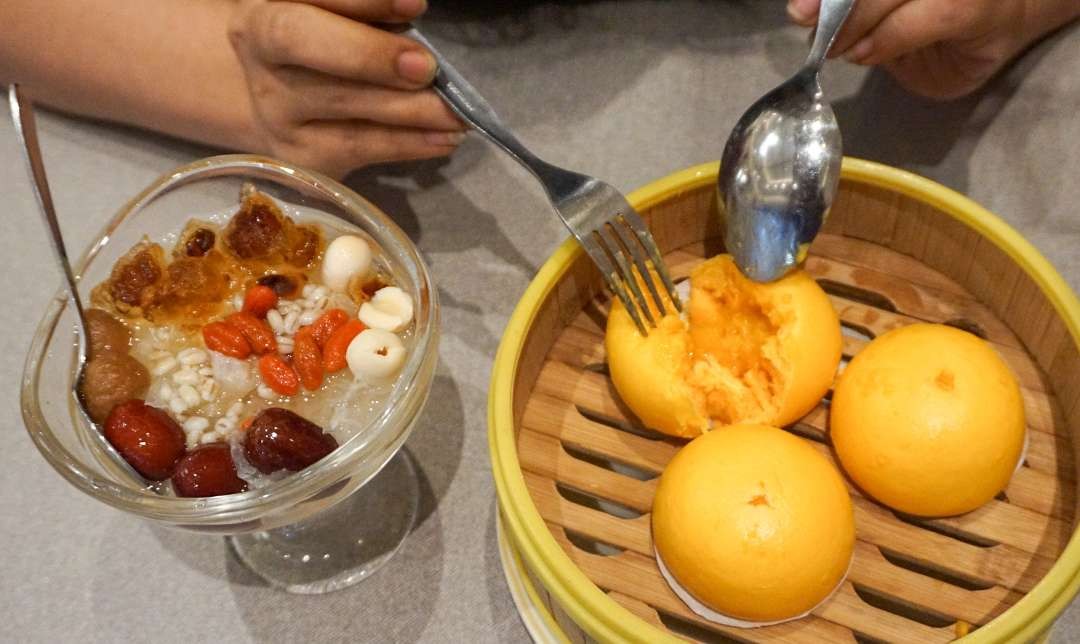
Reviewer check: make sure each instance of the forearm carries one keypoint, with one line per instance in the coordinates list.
(167, 66)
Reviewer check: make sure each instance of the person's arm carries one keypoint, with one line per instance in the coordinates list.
(315, 82)
(166, 66)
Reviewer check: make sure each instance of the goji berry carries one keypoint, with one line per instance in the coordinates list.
(307, 359)
(257, 332)
(226, 339)
(334, 351)
(259, 300)
(327, 323)
(278, 374)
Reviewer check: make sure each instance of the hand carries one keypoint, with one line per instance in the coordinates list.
(332, 92)
(940, 48)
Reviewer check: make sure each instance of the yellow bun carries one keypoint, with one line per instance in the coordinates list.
(757, 353)
(754, 522)
(928, 420)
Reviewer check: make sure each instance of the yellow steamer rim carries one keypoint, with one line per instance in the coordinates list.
(589, 607)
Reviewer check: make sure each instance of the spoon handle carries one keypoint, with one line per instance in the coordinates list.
(22, 113)
(831, 17)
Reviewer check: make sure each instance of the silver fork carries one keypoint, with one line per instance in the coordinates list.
(597, 214)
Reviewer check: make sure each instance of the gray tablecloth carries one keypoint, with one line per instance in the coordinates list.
(628, 91)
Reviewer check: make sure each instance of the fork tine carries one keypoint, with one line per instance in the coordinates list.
(645, 238)
(611, 277)
(629, 240)
(610, 241)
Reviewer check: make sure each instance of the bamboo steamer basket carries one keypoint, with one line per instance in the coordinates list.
(575, 472)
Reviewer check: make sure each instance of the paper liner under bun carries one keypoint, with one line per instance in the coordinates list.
(705, 612)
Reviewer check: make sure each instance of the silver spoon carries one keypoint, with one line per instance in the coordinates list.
(781, 165)
(22, 113)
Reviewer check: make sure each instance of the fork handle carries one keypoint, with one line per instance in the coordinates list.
(471, 106)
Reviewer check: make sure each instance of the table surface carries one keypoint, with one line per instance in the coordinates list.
(628, 91)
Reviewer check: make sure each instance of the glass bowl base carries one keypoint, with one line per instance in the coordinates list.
(342, 545)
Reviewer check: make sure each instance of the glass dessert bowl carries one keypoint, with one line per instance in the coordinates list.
(309, 530)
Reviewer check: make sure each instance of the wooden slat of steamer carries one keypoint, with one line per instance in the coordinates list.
(1051, 454)
(1004, 564)
(560, 419)
(644, 612)
(1046, 453)
(949, 549)
(931, 296)
(974, 261)
(628, 534)
(1042, 411)
(858, 252)
(1015, 297)
(848, 609)
(865, 254)
(543, 455)
(839, 634)
(1000, 564)
(996, 521)
(995, 279)
(594, 392)
(581, 345)
(922, 302)
(872, 570)
(878, 321)
(636, 575)
(1043, 493)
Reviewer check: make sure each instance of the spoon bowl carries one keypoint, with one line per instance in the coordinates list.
(781, 165)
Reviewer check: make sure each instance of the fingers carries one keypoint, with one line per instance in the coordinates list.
(389, 11)
(878, 31)
(865, 16)
(912, 26)
(330, 92)
(302, 35)
(337, 147)
(312, 96)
